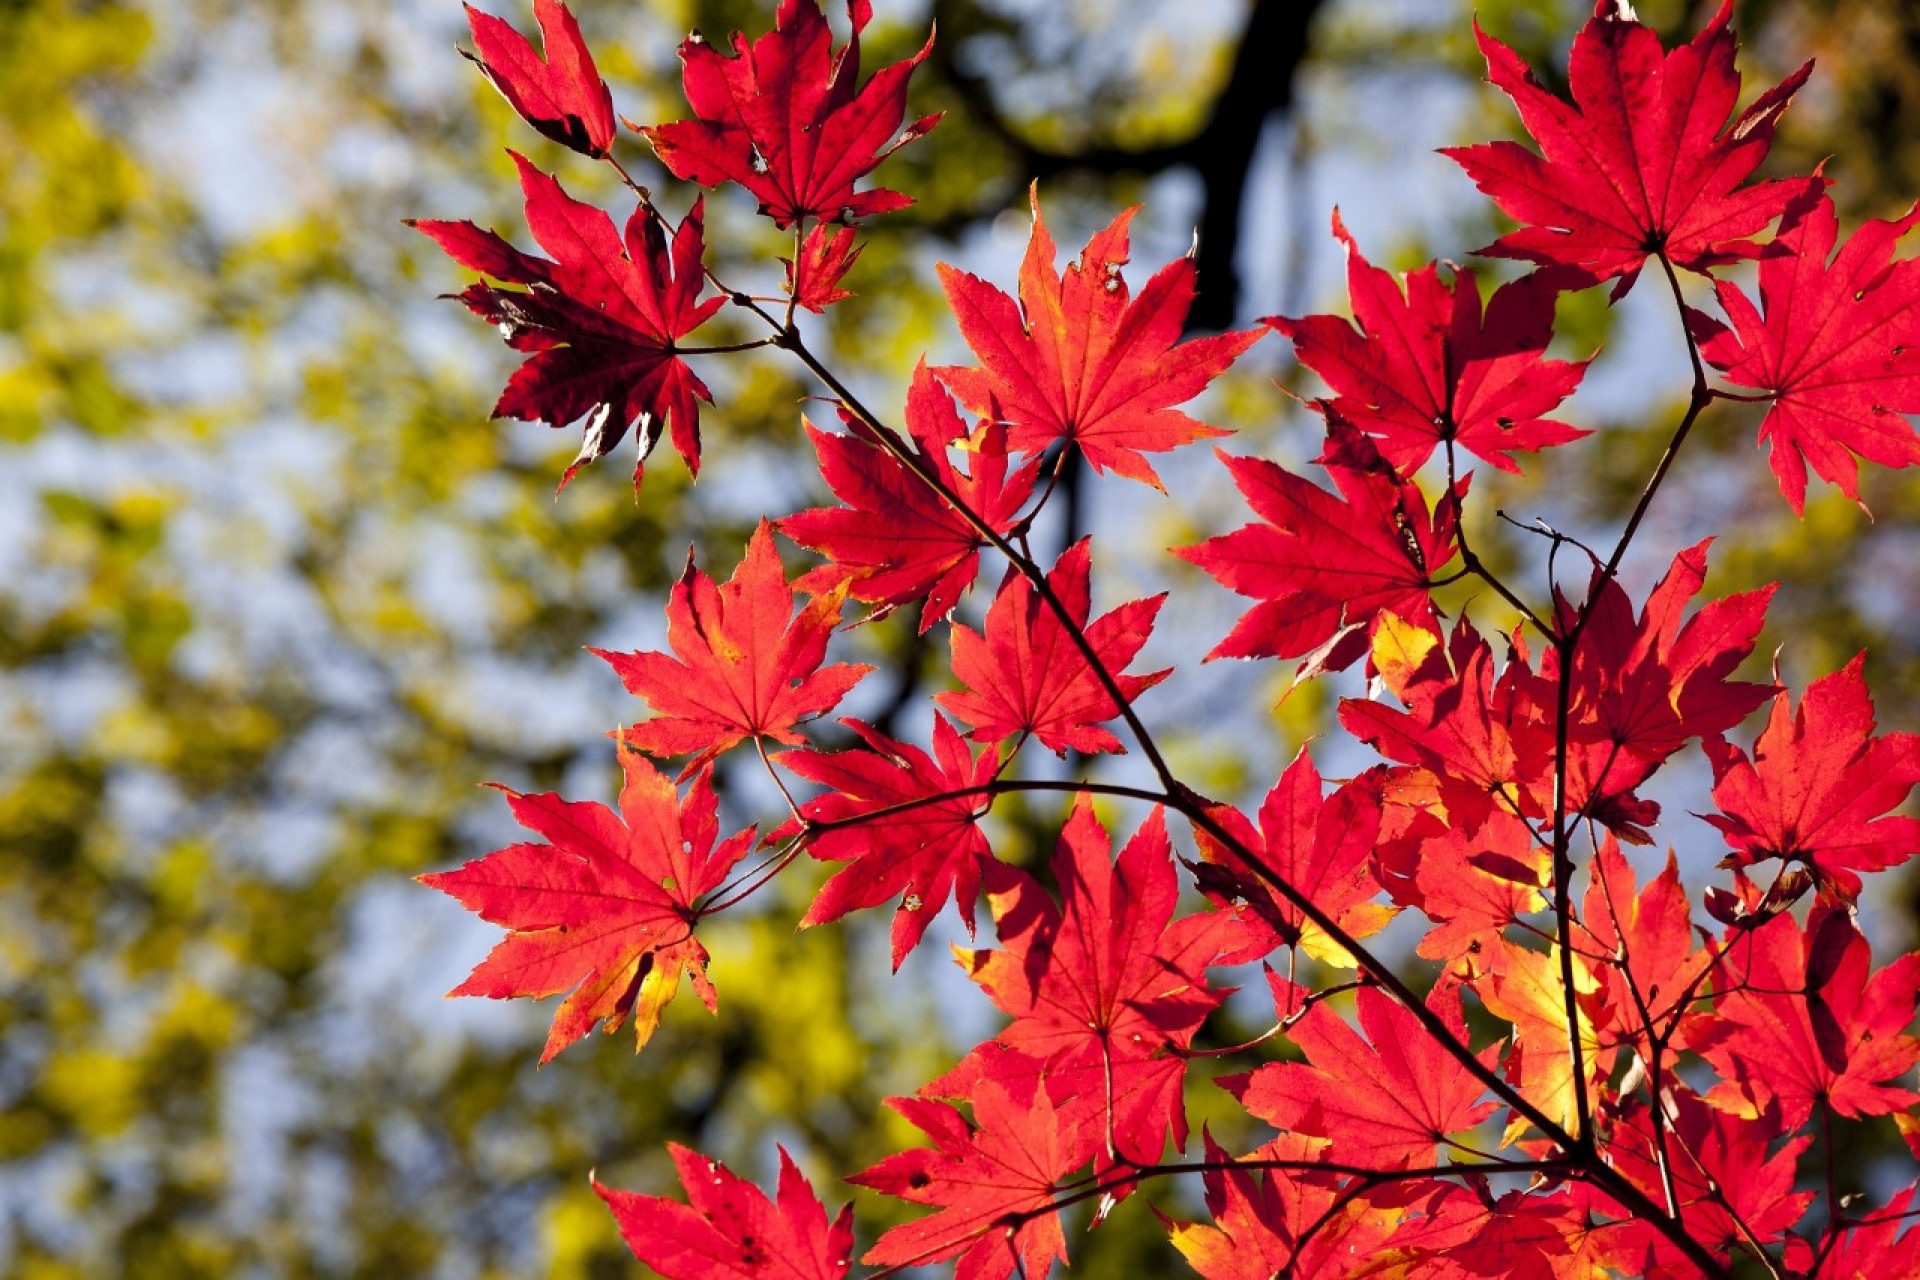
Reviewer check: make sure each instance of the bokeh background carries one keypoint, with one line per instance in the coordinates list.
(275, 594)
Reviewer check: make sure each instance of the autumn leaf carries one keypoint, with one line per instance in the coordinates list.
(558, 91)
(1279, 1220)
(993, 1181)
(600, 319)
(606, 908)
(786, 117)
(906, 820)
(1327, 567)
(1026, 675)
(897, 539)
(1799, 1019)
(814, 274)
(1104, 989)
(1081, 359)
(1835, 345)
(1524, 988)
(1820, 788)
(1643, 161)
(743, 665)
(729, 1229)
(1384, 1101)
(1418, 369)
(1654, 968)
(1321, 846)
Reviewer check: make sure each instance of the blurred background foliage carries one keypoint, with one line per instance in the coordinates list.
(275, 594)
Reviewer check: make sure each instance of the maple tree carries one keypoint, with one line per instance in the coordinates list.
(1633, 1079)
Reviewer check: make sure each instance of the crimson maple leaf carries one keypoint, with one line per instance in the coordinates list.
(1800, 1019)
(1287, 1221)
(1471, 879)
(729, 1229)
(1386, 1100)
(1026, 675)
(993, 1180)
(1729, 1181)
(1326, 567)
(1643, 161)
(560, 94)
(746, 667)
(783, 118)
(908, 822)
(814, 273)
(1819, 787)
(1321, 846)
(601, 319)
(1655, 967)
(606, 908)
(1837, 349)
(1099, 987)
(897, 539)
(1080, 359)
(1430, 366)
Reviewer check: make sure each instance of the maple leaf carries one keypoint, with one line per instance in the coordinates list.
(746, 666)
(1429, 365)
(1882, 1246)
(606, 908)
(993, 1180)
(601, 319)
(1322, 847)
(729, 1229)
(1523, 987)
(882, 817)
(814, 274)
(1643, 161)
(1473, 734)
(1100, 987)
(897, 539)
(1080, 359)
(560, 93)
(1287, 1221)
(1454, 1232)
(1717, 1162)
(1654, 967)
(1472, 881)
(1328, 566)
(1801, 1019)
(1819, 787)
(1836, 347)
(1386, 1100)
(1648, 685)
(786, 118)
(1026, 675)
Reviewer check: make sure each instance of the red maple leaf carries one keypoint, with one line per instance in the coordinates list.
(814, 274)
(1026, 675)
(560, 93)
(917, 848)
(1080, 359)
(1430, 366)
(1099, 987)
(1799, 1018)
(1471, 880)
(786, 118)
(1277, 1219)
(1321, 846)
(1820, 786)
(1642, 161)
(1654, 967)
(1327, 566)
(606, 909)
(601, 319)
(897, 539)
(1384, 1101)
(1727, 1180)
(1837, 348)
(746, 667)
(993, 1180)
(729, 1229)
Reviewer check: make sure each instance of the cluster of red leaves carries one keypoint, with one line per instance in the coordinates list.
(1526, 1114)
